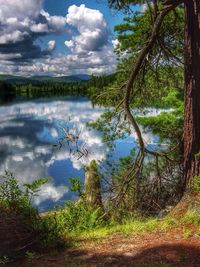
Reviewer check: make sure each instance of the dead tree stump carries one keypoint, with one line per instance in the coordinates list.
(93, 186)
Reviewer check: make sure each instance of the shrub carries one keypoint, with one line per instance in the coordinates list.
(18, 218)
(17, 198)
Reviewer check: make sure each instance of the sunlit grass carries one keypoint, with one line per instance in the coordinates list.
(129, 227)
(137, 227)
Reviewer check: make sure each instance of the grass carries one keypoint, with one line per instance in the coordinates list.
(77, 225)
(191, 218)
(125, 229)
(190, 225)
(186, 233)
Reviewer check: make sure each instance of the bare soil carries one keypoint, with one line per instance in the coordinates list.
(161, 249)
(156, 249)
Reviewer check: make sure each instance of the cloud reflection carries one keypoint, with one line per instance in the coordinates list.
(27, 137)
(28, 134)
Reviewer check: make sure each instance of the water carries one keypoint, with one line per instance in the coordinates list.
(30, 129)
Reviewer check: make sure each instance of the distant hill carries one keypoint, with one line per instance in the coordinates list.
(38, 79)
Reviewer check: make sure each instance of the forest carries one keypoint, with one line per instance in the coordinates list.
(144, 209)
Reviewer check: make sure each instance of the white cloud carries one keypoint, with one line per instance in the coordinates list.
(20, 8)
(22, 22)
(13, 37)
(28, 131)
(51, 45)
(9, 56)
(90, 49)
(92, 28)
(57, 23)
(40, 27)
(91, 63)
(50, 191)
(69, 44)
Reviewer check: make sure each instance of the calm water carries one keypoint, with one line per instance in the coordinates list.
(28, 132)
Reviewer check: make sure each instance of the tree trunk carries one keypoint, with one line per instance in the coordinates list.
(93, 186)
(192, 92)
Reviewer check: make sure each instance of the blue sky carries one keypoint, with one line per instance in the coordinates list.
(60, 7)
(57, 37)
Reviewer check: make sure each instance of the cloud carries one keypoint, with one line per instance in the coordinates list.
(89, 49)
(28, 131)
(21, 23)
(51, 45)
(50, 191)
(89, 63)
(39, 28)
(13, 37)
(55, 23)
(92, 28)
(20, 8)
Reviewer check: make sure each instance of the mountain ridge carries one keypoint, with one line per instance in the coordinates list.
(13, 79)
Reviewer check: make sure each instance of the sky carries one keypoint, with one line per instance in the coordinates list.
(57, 37)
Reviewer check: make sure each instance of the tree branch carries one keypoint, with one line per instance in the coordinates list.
(137, 67)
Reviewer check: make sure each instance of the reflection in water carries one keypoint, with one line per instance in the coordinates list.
(28, 132)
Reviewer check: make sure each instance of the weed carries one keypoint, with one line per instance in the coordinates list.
(191, 219)
(186, 233)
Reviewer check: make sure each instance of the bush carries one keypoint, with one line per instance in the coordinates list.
(18, 218)
(22, 228)
(17, 198)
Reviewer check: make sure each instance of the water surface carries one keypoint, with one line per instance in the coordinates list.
(30, 129)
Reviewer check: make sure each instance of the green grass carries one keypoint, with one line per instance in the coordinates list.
(131, 227)
(191, 218)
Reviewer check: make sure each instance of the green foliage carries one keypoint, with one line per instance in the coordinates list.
(75, 217)
(134, 225)
(195, 183)
(14, 196)
(33, 188)
(83, 217)
(168, 125)
(137, 28)
(76, 186)
(123, 4)
(161, 71)
(51, 229)
(51, 89)
(10, 191)
(110, 127)
(35, 89)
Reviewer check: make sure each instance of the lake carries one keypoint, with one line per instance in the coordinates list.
(30, 148)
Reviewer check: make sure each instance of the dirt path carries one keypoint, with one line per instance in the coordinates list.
(148, 250)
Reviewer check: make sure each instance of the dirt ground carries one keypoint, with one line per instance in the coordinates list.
(162, 249)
